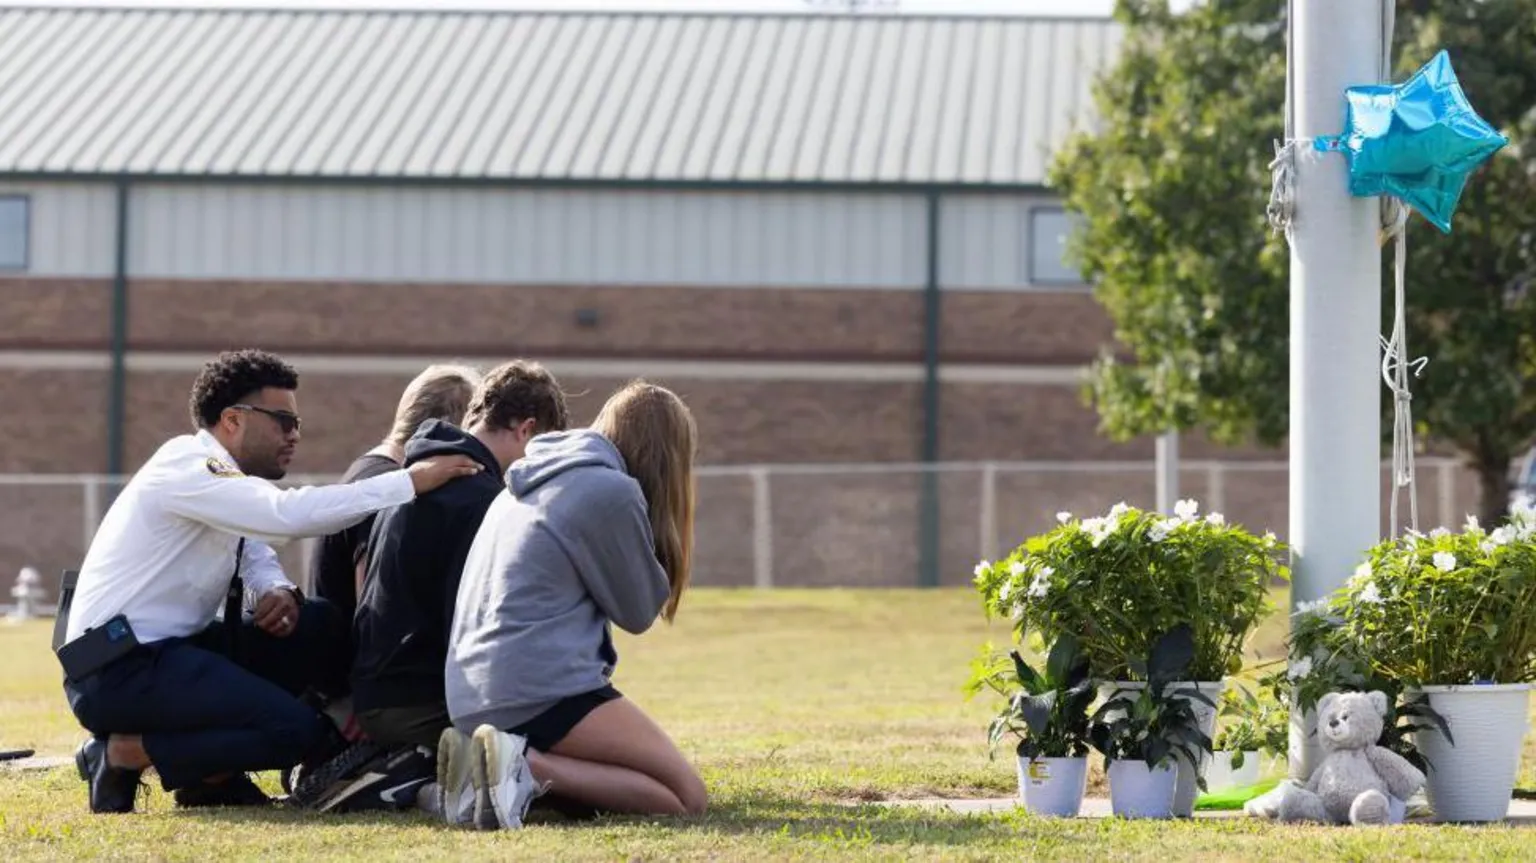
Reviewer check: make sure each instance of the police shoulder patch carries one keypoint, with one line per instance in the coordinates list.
(219, 467)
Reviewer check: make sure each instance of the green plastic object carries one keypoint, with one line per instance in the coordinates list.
(1234, 798)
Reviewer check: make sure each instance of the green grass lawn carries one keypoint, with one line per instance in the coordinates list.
(802, 708)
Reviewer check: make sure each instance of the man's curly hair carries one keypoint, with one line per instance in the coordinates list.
(233, 375)
(516, 391)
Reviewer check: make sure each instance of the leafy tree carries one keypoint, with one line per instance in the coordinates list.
(1172, 186)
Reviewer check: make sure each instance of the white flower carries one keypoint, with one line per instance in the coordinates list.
(1216, 519)
(1412, 541)
(981, 570)
(1502, 535)
(1042, 583)
(1300, 668)
(1362, 572)
(1063, 517)
(1439, 532)
(1445, 561)
(1312, 607)
(1158, 532)
(1370, 594)
(1098, 529)
(1017, 568)
(1270, 539)
(1487, 546)
(1472, 524)
(1119, 509)
(1186, 509)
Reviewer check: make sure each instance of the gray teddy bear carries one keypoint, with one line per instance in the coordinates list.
(1352, 784)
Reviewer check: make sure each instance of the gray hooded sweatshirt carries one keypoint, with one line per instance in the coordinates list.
(564, 552)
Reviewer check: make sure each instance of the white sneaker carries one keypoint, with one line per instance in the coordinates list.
(455, 777)
(429, 799)
(504, 785)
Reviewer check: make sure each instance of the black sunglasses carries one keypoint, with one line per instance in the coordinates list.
(286, 421)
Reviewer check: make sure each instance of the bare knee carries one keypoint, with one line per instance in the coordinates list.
(693, 795)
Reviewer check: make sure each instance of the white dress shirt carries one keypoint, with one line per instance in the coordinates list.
(164, 554)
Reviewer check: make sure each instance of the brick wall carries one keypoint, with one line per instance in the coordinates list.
(848, 324)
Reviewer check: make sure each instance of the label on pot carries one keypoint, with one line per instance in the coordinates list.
(1039, 772)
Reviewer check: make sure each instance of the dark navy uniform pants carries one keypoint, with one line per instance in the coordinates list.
(202, 713)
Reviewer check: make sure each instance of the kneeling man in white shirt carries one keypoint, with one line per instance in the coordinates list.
(152, 674)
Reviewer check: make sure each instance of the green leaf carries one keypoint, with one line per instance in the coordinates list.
(1036, 710)
(1062, 659)
(1171, 655)
(1027, 676)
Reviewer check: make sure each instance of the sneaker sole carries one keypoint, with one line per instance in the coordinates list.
(455, 770)
(480, 778)
(500, 759)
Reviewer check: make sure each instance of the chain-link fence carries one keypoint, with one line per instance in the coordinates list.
(814, 525)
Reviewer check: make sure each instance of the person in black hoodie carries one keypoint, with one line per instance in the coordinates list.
(405, 608)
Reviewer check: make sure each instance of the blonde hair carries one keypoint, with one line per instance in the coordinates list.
(655, 433)
(439, 392)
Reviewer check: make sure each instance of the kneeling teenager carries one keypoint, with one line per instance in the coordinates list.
(596, 529)
(416, 552)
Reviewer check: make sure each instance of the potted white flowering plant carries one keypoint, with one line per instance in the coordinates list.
(1118, 581)
(1451, 617)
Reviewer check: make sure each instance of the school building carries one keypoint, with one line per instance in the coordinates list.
(831, 233)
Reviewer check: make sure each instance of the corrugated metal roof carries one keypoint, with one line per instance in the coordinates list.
(542, 96)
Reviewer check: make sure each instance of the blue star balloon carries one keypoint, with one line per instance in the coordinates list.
(1416, 141)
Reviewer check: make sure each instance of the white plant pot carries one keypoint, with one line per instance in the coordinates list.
(1053, 786)
(1188, 788)
(1136, 792)
(1220, 775)
(1473, 780)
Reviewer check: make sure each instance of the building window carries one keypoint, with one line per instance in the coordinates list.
(1049, 229)
(13, 232)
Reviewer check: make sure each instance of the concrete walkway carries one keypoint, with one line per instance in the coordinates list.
(1521, 812)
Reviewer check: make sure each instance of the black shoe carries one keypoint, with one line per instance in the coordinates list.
(311, 785)
(237, 791)
(112, 789)
(335, 750)
(388, 783)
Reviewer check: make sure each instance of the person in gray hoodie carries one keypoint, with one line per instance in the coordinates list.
(595, 530)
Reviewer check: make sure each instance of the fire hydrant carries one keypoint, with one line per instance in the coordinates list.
(28, 594)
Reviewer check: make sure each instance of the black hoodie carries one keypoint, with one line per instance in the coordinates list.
(416, 555)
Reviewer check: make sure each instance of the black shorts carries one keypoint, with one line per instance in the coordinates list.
(551, 726)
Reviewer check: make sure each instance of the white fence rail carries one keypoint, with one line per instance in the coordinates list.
(815, 524)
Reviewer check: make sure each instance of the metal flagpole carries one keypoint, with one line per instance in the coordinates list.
(1335, 419)
(1168, 472)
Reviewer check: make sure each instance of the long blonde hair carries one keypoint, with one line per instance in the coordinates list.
(655, 433)
(439, 392)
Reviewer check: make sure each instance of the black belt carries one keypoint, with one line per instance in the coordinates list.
(234, 603)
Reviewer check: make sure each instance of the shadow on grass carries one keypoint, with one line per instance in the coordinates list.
(758, 818)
